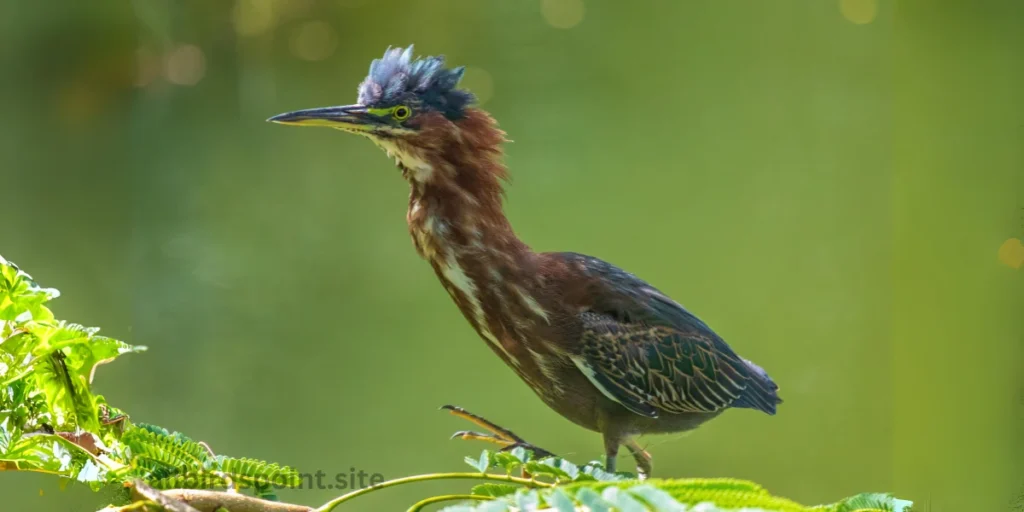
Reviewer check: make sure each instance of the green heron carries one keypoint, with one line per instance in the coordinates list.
(600, 346)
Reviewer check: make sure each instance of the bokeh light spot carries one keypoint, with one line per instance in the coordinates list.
(562, 13)
(253, 17)
(314, 40)
(185, 65)
(860, 12)
(1011, 253)
(479, 82)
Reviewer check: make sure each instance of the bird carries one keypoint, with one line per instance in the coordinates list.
(597, 344)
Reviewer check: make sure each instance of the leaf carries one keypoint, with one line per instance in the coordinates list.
(64, 357)
(622, 501)
(165, 450)
(554, 467)
(256, 473)
(492, 506)
(526, 500)
(481, 464)
(520, 453)
(872, 501)
(507, 461)
(48, 453)
(560, 501)
(21, 299)
(190, 480)
(657, 498)
(494, 490)
(592, 500)
(594, 470)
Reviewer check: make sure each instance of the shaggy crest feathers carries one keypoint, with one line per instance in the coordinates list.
(398, 78)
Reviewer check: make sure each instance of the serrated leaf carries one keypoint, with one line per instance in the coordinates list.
(21, 298)
(494, 490)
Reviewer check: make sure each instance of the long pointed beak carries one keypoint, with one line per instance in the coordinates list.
(349, 117)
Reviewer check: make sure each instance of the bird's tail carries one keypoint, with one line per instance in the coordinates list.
(761, 394)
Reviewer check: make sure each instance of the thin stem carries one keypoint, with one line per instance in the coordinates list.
(420, 505)
(327, 507)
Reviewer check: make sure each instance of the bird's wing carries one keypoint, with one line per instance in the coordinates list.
(647, 352)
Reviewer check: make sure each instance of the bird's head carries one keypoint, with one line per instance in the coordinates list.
(413, 109)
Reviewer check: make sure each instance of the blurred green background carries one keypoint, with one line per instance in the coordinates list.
(835, 186)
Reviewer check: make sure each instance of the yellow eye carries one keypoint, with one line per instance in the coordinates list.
(401, 113)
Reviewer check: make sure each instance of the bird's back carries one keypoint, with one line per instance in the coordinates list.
(649, 353)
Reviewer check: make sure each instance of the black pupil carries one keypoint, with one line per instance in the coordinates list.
(401, 112)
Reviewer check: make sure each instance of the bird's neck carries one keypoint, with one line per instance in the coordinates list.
(463, 220)
(457, 224)
(456, 199)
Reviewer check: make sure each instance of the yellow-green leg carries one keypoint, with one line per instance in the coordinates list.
(498, 435)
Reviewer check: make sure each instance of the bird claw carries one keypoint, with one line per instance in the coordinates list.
(537, 451)
(499, 435)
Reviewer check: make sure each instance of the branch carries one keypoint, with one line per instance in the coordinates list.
(211, 501)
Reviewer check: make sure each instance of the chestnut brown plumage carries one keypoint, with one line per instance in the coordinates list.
(598, 345)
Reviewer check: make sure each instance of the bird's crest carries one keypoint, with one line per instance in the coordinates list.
(398, 78)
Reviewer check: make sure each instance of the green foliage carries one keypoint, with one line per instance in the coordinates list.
(567, 488)
(51, 421)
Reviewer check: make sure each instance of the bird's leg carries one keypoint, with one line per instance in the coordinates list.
(611, 450)
(498, 435)
(644, 466)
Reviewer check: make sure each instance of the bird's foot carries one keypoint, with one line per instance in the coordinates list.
(498, 435)
(644, 465)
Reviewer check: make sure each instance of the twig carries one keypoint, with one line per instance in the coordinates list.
(210, 501)
(420, 505)
(170, 504)
(327, 507)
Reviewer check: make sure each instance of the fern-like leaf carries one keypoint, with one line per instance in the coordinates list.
(257, 473)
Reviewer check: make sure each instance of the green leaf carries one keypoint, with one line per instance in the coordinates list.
(492, 506)
(622, 501)
(594, 470)
(554, 467)
(483, 463)
(63, 359)
(560, 501)
(48, 453)
(657, 498)
(520, 453)
(592, 500)
(506, 461)
(494, 490)
(21, 299)
(526, 500)
(872, 501)
(256, 473)
(168, 451)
